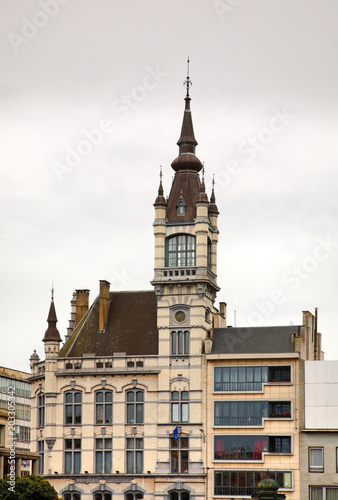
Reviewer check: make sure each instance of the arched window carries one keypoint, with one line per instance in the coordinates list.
(179, 495)
(133, 495)
(135, 406)
(180, 251)
(103, 495)
(180, 343)
(103, 407)
(41, 410)
(180, 205)
(71, 496)
(73, 408)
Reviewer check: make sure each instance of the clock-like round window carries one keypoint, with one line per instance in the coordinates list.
(180, 316)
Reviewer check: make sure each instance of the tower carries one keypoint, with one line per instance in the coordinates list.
(186, 235)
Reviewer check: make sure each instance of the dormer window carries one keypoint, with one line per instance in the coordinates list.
(180, 206)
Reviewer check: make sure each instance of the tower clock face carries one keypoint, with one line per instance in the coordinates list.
(180, 316)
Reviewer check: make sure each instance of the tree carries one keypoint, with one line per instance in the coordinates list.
(27, 488)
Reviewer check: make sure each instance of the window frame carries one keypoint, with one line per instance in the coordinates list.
(136, 453)
(105, 452)
(182, 407)
(133, 495)
(179, 454)
(246, 413)
(105, 406)
(102, 495)
(180, 343)
(41, 403)
(180, 250)
(71, 495)
(41, 460)
(252, 382)
(136, 406)
(73, 405)
(314, 468)
(250, 489)
(253, 450)
(74, 452)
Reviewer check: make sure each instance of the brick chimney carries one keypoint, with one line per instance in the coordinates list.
(103, 303)
(82, 304)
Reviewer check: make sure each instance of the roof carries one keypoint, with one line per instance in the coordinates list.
(131, 327)
(252, 340)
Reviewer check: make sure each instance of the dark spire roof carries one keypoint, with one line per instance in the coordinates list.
(160, 200)
(187, 142)
(52, 333)
(213, 207)
(202, 196)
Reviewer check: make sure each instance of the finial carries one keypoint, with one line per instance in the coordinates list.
(213, 181)
(203, 172)
(187, 82)
(161, 173)
(52, 290)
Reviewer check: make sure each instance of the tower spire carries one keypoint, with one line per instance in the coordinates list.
(52, 333)
(187, 160)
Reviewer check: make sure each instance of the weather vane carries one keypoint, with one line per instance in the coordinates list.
(187, 83)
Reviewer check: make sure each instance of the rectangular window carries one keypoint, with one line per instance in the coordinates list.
(41, 410)
(72, 456)
(244, 483)
(247, 448)
(41, 450)
(179, 406)
(316, 459)
(179, 449)
(248, 378)
(73, 408)
(180, 343)
(134, 455)
(103, 455)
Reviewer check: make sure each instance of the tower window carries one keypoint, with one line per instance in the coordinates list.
(180, 251)
(180, 343)
(180, 205)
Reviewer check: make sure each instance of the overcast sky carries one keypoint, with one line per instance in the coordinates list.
(91, 106)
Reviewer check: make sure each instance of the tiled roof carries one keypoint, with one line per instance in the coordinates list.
(251, 340)
(131, 328)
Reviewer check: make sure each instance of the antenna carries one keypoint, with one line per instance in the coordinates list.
(187, 83)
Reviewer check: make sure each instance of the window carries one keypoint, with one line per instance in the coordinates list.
(180, 343)
(41, 410)
(246, 447)
(179, 495)
(104, 407)
(73, 408)
(316, 459)
(248, 413)
(179, 451)
(180, 251)
(180, 406)
(71, 496)
(103, 455)
(41, 461)
(72, 456)
(104, 495)
(24, 434)
(323, 493)
(249, 378)
(209, 254)
(134, 455)
(133, 495)
(135, 406)
(180, 205)
(244, 483)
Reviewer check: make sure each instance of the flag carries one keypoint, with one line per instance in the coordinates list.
(175, 433)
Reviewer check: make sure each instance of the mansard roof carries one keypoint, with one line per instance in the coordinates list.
(131, 327)
(254, 340)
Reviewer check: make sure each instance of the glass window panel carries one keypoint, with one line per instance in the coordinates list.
(175, 396)
(108, 462)
(139, 443)
(174, 412)
(130, 396)
(130, 464)
(108, 443)
(98, 462)
(130, 443)
(68, 462)
(139, 461)
(109, 414)
(139, 396)
(99, 414)
(69, 397)
(130, 414)
(77, 414)
(186, 342)
(99, 397)
(139, 413)
(185, 395)
(109, 397)
(185, 412)
(77, 444)
(316, 493)
(77, 397)
(77, 462)
(68, 444)
(184, 458)
(99, 443)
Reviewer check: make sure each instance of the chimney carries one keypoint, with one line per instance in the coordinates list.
(82, 304)
(103, 303)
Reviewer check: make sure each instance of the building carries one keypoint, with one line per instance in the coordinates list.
(255, 406)
(15, 415)
(319, 436)
(134, 404)
(118, 411)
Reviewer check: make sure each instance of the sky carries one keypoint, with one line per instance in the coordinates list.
(92, 100)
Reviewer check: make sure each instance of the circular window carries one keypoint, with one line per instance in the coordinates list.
(180, 316)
